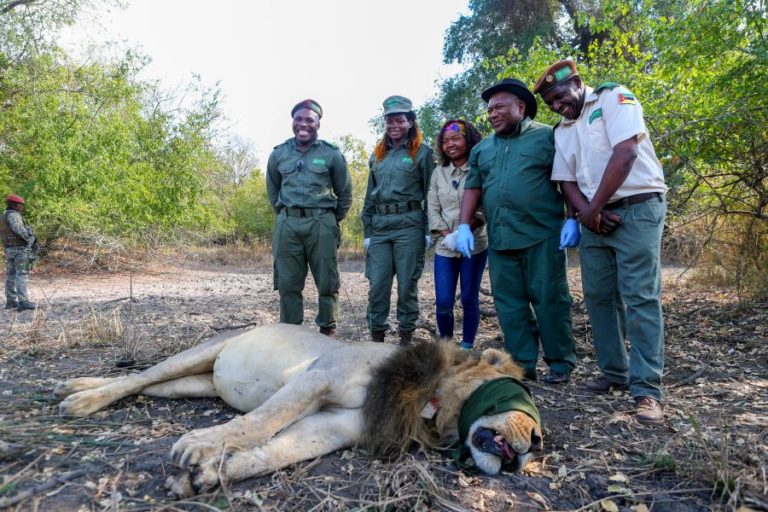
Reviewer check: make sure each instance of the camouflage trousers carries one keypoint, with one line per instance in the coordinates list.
(16, 274)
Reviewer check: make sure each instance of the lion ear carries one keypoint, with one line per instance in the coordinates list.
(495, 357)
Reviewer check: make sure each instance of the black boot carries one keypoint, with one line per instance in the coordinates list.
(25, 304)
(11, 304)
(378, 336)
(405, 338)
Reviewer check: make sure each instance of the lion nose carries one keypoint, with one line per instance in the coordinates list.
(537, 443)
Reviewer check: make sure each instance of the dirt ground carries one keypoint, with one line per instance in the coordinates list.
(711, 454)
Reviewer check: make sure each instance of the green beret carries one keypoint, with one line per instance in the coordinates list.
(311, 105)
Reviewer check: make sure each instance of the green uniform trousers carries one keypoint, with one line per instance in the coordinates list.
(625, 267)
(534, 278)
(300, 241)
(397, 248)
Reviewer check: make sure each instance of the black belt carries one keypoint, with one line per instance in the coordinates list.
(304, 212)
(626, 201)
(395, 208)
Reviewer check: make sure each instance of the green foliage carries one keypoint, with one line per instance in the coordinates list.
(250, 209)
(357, 162)
(699, 69)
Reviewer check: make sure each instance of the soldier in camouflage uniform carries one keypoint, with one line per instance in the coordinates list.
(310, 188)
(394, 220)
(17, 239)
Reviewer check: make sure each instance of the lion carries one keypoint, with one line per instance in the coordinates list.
(304, 395)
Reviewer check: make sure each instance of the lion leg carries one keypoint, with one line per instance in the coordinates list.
(197, 360)
(313, 436)
(191, 386)
(300, 397)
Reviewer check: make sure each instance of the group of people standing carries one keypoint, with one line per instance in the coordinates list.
(515, 199)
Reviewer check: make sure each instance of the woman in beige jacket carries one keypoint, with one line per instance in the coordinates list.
(454, 142)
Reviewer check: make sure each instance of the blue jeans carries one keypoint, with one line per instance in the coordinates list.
(447, 273)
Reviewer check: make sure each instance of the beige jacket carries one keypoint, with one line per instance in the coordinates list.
(446, 189)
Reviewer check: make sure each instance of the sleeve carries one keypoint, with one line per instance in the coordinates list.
(274, 180)
(434, 214)
(368, 207)
(563, 166)
(623, 115)
(427, 165)
(342, 185)
(474, 180)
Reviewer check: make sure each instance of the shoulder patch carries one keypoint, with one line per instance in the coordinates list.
(596, 114)
(626, 98)
(606, 86)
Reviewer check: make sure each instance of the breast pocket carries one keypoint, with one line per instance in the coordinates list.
(286, 168)
(405, 164)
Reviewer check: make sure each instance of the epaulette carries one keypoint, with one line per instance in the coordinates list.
(331, 144)
(607, 86)
(556, 125)
(282, 144)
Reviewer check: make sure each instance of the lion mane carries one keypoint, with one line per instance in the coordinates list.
(409, 379)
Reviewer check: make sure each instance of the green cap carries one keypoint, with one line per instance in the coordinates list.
(397, 105)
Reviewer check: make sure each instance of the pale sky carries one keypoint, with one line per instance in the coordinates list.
(267, 55)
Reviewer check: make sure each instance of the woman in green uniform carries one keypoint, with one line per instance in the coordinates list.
(395, 221)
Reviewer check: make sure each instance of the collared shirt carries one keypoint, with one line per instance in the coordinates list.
(584, 145)
(396, 179)
(446, 190)
(522, 206)
(317, 178)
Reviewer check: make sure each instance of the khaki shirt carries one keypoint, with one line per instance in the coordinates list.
(584, 145)
(446, 191)
(317, 178)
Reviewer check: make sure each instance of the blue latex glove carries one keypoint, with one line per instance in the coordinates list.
(465, 240)
(570, 234)
(427, 241)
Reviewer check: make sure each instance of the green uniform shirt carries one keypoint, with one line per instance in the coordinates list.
(397, 179)
(316, 179)
(522, 206)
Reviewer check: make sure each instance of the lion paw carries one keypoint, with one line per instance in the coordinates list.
(84, 403)
(197, 447)
(72, 386)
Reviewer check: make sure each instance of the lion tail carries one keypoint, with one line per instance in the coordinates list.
(397, 393)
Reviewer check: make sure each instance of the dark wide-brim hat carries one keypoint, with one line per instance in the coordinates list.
(516, 87)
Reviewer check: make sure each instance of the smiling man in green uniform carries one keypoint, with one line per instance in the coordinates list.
(510, 173)
(310, 188)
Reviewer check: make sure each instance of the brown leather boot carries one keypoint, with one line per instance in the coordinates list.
(377, 336)
(406, 337)
(328, 331)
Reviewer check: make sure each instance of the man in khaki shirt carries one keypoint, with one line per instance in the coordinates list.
(614, 185)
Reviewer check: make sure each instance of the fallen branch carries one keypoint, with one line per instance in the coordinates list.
(53, 482)
(692, 377)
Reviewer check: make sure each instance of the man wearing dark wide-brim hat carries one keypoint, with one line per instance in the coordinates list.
(614, 183)
(510, 172)
(311, 191)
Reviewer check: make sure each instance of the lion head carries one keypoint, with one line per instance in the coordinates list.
(440, 396)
